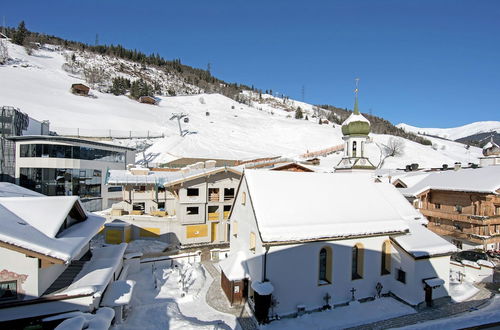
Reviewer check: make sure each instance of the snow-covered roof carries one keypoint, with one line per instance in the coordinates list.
(98, 272)
(12, 190)
(161, 178)
(355, 117)
(234, 267)
(293, 206)
(410, 178)
(33, 223)
(420, 242)
(481, 180)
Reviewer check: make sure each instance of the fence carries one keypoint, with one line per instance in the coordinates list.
(105, 133)
(323, 152)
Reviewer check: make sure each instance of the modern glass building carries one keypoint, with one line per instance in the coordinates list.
(55, 166)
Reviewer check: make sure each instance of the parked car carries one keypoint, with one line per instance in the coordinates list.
(470, 256)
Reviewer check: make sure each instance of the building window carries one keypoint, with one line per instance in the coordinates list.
(253, 242)
(192, 210)
(458, 208)
(85, 183)
(235, 228)
(243, 198)
(357, 261)
(193, 192)
(141, 206)
(401, 276)
(161, 205)
(497, 209)
(437, 206)
(228, 194)
(386, 258)
(114, 188)
(354, 147)
(325, 266)
(8, 290)
(71, 152)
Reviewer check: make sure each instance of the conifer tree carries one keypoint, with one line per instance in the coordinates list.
(20, 34)
(298, 113)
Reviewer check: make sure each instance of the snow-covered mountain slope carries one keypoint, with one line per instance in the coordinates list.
(455, 133)
(218, 127)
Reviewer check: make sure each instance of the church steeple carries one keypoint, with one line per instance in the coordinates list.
(355, 130)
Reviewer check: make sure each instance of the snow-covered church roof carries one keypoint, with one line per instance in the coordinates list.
(481, 180)
(34, 224)
(293, 206)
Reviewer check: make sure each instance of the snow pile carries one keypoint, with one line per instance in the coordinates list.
(119, 293)
(344, 317)
(101, 320)
(462, 291)
(187, 277)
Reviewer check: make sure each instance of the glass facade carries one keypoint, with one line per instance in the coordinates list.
(85, 183)
(74, 152)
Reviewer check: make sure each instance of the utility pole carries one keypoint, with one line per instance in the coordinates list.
(178, 116)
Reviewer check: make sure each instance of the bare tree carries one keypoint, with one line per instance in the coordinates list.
(95, 75)
(395, 147)
(4, 52)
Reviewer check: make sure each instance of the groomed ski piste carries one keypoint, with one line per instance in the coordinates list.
(218, 127)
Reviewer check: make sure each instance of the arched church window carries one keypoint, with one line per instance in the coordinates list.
(357, 261)
(354, 147)
(325, 266)
(386, 258)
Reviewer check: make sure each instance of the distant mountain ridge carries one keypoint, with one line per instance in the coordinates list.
(473, 133)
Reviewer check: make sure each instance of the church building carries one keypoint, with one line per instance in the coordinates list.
(322, 240)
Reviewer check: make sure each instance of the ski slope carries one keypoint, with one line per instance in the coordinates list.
(218, 127)
(455, 133)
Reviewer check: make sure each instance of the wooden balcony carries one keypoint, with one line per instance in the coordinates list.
(469, 218)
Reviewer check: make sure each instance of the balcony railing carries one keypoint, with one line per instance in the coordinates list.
(470, 218)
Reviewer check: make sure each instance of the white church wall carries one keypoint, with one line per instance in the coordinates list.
(294, 270)
(242, 224)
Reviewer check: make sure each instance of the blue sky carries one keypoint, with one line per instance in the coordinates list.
(426, 63)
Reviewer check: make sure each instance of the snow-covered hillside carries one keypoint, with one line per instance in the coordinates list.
(218, 127)
(455, 133)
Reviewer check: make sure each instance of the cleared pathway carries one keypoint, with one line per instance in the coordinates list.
(217, 300)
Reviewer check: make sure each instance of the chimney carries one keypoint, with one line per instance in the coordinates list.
(458, 166)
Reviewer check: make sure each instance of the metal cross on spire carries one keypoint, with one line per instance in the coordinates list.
(356, 110)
